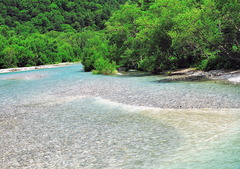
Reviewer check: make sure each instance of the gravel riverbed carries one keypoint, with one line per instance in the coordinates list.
(67, 118)
(137, 89)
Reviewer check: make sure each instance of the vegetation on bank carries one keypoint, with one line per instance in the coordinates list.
(149, 35)
(49, 31)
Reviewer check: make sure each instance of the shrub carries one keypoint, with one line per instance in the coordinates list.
(216, 62)
(104, 66)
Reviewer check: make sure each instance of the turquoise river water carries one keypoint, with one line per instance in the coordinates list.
(66, 118)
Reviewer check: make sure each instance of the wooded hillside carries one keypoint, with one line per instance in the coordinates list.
(150, 35)
(48, 31)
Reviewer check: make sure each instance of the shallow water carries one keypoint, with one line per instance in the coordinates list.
(66, 118)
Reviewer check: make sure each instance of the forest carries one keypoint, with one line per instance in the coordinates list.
(147, 35)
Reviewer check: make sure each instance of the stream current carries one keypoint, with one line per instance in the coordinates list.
(66, 118)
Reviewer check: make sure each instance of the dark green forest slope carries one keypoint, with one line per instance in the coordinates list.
(35, 32)
(150, 35)
(59, 15)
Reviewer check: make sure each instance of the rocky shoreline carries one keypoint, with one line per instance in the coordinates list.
(231, 76)
(34, 67)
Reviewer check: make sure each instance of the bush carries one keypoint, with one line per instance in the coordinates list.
(147, 64)
(203, 64)
(104, 66)
(217, 62)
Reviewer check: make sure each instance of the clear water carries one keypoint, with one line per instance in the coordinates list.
(66, 118)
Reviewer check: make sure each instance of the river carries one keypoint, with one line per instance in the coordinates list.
(66, 118)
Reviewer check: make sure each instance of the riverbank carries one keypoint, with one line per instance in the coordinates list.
(232, 76)
(190, 74)
(34, 67)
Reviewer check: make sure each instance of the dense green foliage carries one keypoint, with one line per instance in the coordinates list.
(49, 31)
(58, 15)
(168, 34)
(38, 49)
(150, 35)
